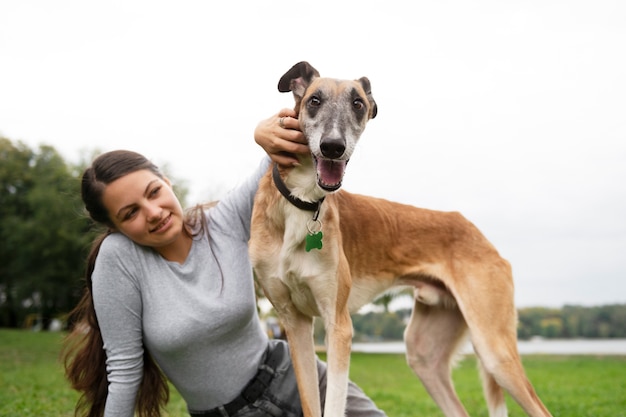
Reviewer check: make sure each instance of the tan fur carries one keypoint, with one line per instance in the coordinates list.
(462, 286)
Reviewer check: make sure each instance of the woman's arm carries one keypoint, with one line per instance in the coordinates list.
(117, 301)
(281, 143)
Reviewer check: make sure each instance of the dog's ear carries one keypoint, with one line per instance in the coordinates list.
(367, 87)
(297, 79)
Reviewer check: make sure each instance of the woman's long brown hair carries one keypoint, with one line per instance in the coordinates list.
(83, 353)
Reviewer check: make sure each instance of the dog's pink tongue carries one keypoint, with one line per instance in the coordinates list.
(330, 173)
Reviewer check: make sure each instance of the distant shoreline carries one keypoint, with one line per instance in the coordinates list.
(525, 347)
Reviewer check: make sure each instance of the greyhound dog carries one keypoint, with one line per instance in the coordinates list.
(321, 251)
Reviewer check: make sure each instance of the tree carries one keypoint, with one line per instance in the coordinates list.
(15, 180)
(44, 234)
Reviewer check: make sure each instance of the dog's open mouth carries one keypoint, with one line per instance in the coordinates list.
(330, 173)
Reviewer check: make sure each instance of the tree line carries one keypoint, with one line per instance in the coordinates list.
(568, 322)
(608, 321)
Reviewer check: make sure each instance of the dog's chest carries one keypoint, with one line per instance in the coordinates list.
(302, 295)
(307, 274)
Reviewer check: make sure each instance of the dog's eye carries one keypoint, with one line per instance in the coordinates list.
(358, 104)
(315, 101)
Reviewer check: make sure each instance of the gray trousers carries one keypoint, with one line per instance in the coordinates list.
(281, 397)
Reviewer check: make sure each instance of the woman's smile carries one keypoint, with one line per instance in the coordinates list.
(163, 225)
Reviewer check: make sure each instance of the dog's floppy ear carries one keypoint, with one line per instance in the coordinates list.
(297, 79)
(367, 87)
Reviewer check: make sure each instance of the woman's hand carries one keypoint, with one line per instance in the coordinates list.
(281, 138)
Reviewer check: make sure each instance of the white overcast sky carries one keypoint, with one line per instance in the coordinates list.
(512, 112)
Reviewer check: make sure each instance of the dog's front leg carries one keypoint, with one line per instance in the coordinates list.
(338, 325)
(299, 330)
(339, 346)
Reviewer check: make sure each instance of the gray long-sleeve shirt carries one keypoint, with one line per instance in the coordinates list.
(198, 320)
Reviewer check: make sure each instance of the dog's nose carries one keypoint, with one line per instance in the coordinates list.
(332, 148)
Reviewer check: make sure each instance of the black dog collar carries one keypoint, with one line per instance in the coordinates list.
(302, 205)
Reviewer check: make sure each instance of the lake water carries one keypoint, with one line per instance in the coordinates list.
(536, 346)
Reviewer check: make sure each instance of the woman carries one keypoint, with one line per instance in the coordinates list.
(172, 293)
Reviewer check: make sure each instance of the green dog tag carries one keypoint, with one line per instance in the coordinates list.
(313, 241)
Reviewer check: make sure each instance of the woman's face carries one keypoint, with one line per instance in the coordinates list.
(143, 207)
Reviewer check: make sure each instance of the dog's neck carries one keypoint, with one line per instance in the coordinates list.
(284, 190)
(299, 184)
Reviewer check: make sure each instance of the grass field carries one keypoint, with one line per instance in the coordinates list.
(32, 382)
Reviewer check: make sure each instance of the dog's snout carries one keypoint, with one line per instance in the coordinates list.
(333, 148)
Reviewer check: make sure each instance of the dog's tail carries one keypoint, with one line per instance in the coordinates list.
(494, 394)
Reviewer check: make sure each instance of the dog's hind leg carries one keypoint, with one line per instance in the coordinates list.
(501, 366)
(433, 337)
(487, 303)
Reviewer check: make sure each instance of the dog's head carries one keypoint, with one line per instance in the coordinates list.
(333, 114)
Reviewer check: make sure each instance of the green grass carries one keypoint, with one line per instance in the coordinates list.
(32, 382)
(31, 377)
(570, 386)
